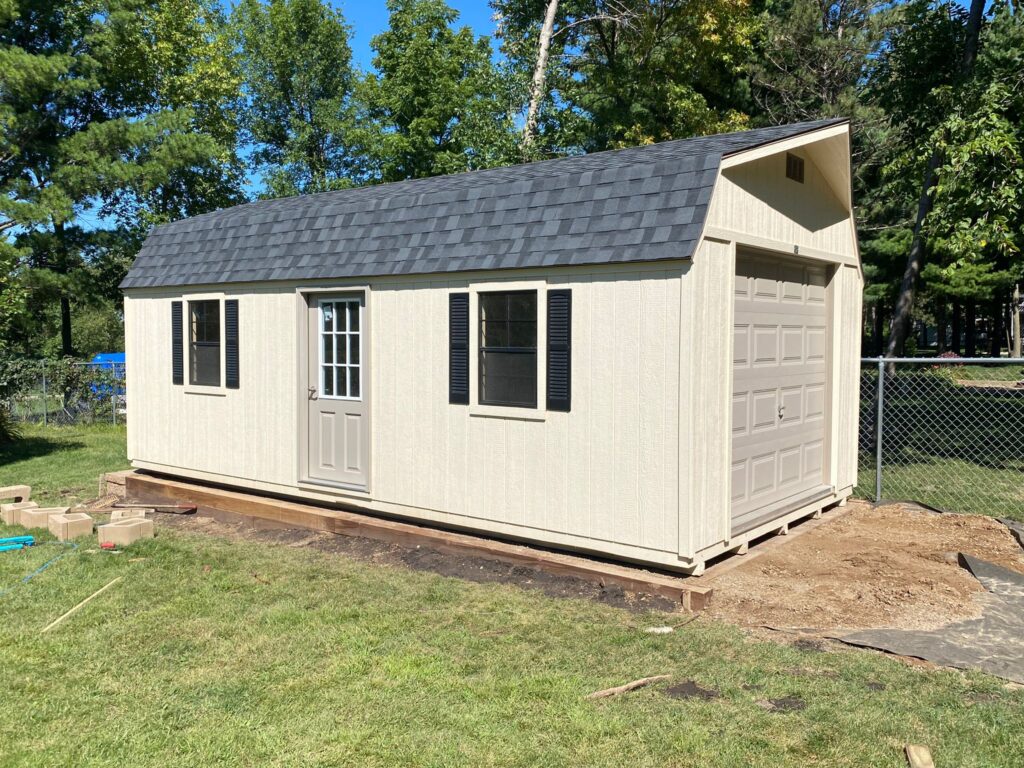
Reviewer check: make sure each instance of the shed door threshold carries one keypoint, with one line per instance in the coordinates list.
(782, 508)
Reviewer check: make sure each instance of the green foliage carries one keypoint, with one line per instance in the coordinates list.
(104, 110)
(9, 428)
(979, 199)
(636, 71)
(297, 73)
(435, 103)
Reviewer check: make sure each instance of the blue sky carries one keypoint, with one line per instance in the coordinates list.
(370, 17)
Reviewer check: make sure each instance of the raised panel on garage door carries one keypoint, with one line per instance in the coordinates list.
(779, 385)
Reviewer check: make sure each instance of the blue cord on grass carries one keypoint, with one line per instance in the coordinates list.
(45, 565)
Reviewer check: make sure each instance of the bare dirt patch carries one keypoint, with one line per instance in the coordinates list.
(891, 566)
(477, 569)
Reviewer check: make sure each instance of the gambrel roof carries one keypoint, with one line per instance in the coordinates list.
(630, 205)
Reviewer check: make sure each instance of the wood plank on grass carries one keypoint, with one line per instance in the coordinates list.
(148, 489)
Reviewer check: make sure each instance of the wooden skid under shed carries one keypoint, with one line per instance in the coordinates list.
(152, 490)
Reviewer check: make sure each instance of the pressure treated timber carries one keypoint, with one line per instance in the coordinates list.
(150, 489)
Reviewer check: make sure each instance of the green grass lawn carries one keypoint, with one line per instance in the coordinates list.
(212, 652)
(63, 464)
(949, 485)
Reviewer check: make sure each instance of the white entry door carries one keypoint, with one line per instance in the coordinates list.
(338, 414)
(779, 387)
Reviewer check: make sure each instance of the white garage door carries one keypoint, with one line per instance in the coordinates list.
(779, 388)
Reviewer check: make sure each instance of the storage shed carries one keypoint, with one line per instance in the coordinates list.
(649, 354)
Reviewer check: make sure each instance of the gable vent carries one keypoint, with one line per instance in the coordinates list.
(794, 168)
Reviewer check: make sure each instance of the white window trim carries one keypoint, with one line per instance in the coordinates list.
(203, 389)
(361, 303)
(476, 408)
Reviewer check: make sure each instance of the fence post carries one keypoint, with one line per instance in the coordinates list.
(879, 422)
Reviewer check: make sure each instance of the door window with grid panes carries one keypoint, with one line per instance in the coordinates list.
(340, 369)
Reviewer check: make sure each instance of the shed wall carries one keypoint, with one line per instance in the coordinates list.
(757, 199)
(603, 477)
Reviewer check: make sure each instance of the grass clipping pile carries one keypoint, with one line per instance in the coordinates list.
(892, 566)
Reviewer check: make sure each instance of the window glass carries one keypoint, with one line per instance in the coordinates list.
(508, 348)
(340, 339)
(204, 343)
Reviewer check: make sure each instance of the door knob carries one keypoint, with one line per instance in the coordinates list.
(312, 393)
(782, 411)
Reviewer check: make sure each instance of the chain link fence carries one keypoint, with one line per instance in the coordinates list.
(945, 432)
(64, 392)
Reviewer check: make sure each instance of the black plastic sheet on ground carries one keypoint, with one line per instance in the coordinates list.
(993, 642)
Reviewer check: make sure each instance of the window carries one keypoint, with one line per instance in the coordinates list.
(204, 343)
(340, 361)
(508, 348)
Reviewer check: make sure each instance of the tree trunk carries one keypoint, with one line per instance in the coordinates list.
(958, 330)
(62, 267)
(66, 348)
(539, 76)
(970, 335)
(879, 340)
(915, 260)
(915, 257)
(1015, 312)
(940, 327)
(995, 338)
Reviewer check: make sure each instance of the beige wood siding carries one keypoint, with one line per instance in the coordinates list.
(706, 363)
(847, 292)
(757, 199)
(606, 471)
(248, 433)
(602, 477)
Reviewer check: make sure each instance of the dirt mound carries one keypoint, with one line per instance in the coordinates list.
(892, 566)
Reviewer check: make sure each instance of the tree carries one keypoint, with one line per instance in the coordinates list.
(296, 65)
(434, 103)
(625, 72)
(900, 325)
(977, 217)
(81, 133)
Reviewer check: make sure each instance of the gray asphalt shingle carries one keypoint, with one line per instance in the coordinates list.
(639, 204)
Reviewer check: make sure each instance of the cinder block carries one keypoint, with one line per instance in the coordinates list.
(70, 525)
(128, 514)
(125, 532)
(40, 516)
(16, 492)
(11, 513)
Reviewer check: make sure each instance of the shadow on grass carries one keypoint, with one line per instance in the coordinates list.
(34, 447)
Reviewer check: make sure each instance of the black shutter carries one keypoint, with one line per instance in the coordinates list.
(458, 348)
(231, 343)
(559, 350)
(177, 345)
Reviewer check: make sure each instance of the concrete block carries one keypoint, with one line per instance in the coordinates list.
(39, 517)
(11, 513)
(128, 514)
(16, 492)
(125, 532)
(70, 525)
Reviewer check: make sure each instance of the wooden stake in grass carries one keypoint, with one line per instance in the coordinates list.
(78, 607)
(627, 687)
